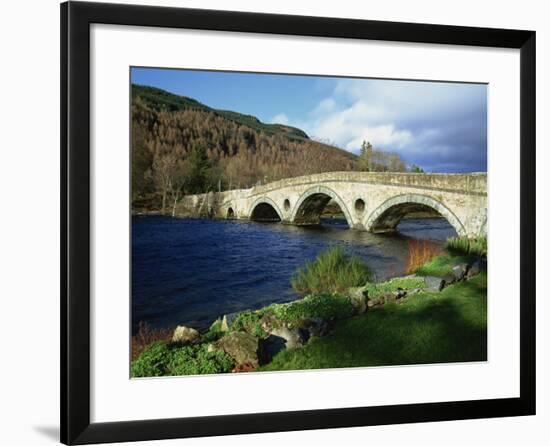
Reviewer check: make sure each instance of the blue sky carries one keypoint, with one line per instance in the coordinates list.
(439, 126)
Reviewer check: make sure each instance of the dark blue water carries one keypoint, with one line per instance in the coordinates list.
(189, 272)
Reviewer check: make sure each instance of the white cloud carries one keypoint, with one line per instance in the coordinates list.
(381, 136)
(281, 118)
(327, 105)
(420, 120)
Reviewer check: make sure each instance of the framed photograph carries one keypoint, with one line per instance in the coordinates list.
(275, 223)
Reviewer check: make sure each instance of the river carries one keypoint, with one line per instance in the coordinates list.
(187, 271)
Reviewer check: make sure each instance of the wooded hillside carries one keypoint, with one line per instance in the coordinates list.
(180, 146)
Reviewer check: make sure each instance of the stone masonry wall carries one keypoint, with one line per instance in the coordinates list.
(461, 198)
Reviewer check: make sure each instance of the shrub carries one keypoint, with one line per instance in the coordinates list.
(160, 359)
(420, 252)
(325, 306)
(152, 361)
(467, 246)
(249, 321)
(332, 271)
(214, 332)
(197, 360)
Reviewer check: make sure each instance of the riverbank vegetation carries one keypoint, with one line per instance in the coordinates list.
(420, 252)
(467, 246)
(145, 336)
(457, 250)
(450, 326)
(332, 271)
(438, 314)
(166, 359)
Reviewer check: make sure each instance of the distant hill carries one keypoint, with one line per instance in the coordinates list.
(162, 100)
(178, 138)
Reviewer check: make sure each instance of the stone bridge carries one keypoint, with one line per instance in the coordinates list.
(371, 201)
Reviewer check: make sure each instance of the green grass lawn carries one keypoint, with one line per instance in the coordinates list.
(450, 326)
(442, 265)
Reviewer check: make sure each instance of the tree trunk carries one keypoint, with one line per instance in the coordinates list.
(174, 207)
(163, 200)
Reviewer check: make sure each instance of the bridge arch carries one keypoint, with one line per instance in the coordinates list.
(387, 216)
(311, 203)
(228, 210)
(265, 209)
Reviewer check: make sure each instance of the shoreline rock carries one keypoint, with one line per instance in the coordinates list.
(185, 335)
(241, 346)
(358, 299)
(434, 283)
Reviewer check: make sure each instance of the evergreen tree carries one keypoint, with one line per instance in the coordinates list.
(416, 169)
(199, 167)
(369, 153)
(364, 161)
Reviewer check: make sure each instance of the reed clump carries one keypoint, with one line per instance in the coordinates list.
(333, 271)
(467, 246)
(419, 253)
(146, 336)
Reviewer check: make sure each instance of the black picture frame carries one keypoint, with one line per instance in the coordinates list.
(76, 19)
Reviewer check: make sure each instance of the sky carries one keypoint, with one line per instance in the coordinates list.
(439, 126)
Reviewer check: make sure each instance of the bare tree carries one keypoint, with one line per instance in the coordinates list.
(177, 183)
(164, 166)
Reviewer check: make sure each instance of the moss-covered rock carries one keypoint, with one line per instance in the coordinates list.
(241, 346)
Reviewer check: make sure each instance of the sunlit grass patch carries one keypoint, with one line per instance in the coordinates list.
(405, 283)
(450, 326)
(324, 306)
(442, 265)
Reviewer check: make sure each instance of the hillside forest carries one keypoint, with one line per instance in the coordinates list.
(180, 146)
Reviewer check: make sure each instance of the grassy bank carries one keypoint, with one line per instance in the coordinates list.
(344, 320)
(450, 326)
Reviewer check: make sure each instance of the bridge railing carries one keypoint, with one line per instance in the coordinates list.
(469, 183)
